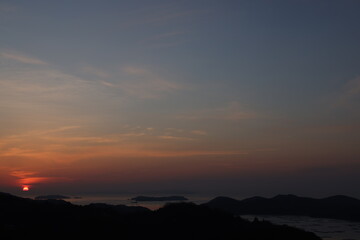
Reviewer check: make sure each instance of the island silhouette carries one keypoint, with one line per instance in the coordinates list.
(58, 219)
(54, 197)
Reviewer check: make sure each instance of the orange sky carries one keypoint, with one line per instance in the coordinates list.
(233, 96)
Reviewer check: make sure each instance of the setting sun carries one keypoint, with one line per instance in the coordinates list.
(25, 188)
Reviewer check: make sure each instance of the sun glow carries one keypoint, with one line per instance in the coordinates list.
(26, 188)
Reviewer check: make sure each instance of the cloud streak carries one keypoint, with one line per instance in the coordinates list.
(22, 59)
(142, 83)
(168, 39)
(162, 36)
(158, 15)
(31, 178)
(349, 93)
(233, 111)
(168, 137)
(352, 88)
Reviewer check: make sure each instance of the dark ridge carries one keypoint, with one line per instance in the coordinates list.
(120, 209)
(337, 207)
(23, 218)
(342, 199)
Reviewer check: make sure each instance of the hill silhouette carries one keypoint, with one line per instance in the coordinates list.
(58, 219)
(337, 207)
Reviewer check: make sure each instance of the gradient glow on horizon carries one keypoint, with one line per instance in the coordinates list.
(229, 97)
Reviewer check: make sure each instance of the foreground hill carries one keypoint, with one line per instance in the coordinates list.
(57, 219)
(337, 207)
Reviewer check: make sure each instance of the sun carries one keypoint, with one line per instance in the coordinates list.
(26, 188)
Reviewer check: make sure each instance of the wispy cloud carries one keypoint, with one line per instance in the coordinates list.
(199, 132)
(349, 93)
(22, 59)
(233, 111)
(22, 174)
(143, 83)
(352, 88)
(168, 39)
(39, 143)
(153, 150)
(163, 36)
(30, 178)
(193, 153)
(45, 82)
(158, 14)
(7, 8)
(168, 137)
(86, 139)
(52, 141)
(96, 72)
(38, 133)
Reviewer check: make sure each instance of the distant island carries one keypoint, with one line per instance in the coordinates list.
(336, 207)
(158, 199)
(23, 218)
(52, 197)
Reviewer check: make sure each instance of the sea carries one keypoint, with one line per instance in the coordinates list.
(327, 229)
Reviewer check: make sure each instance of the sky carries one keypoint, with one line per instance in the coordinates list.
(247, 97)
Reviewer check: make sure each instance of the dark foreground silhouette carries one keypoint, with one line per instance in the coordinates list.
(57, 219)
(337, 207)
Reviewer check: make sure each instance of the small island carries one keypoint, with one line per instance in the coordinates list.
(158, 199)
(52, 197)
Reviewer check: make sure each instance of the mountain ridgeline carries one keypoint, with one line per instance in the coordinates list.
(57, 219)
(337, 207)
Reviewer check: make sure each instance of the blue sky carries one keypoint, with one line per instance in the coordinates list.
(202, 90)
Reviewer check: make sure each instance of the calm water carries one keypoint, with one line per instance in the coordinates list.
(327, 229)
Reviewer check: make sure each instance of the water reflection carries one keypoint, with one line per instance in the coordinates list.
(327, 229)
